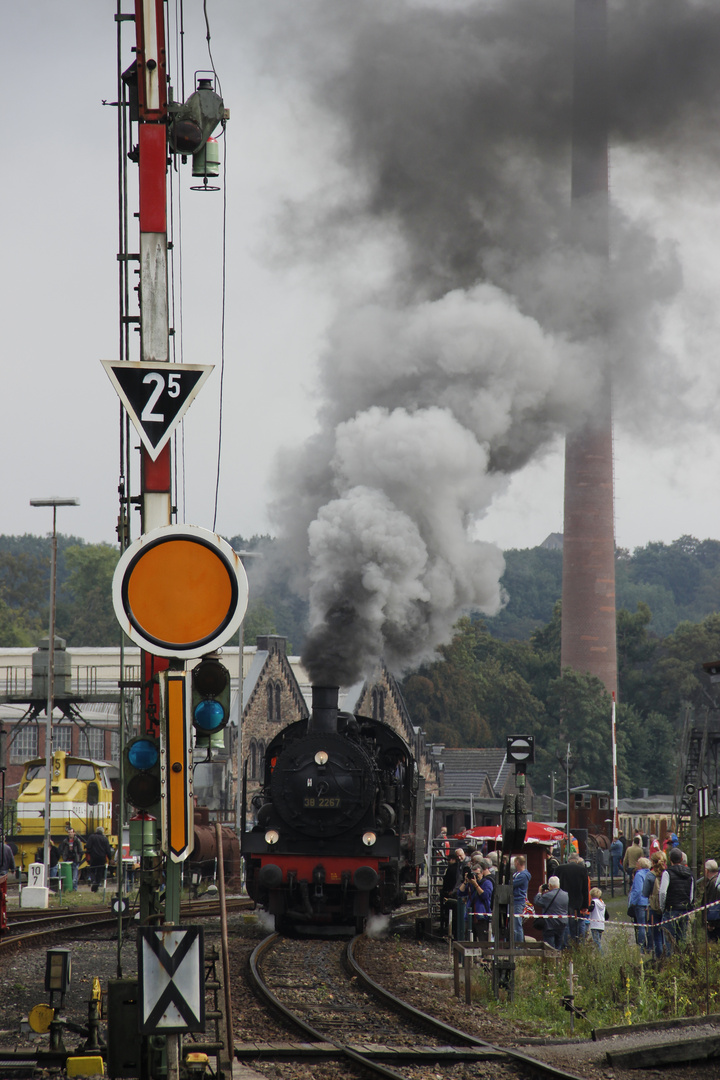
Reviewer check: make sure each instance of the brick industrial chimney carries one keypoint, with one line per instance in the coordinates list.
(588, 640)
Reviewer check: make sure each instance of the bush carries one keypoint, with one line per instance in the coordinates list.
(616, 987)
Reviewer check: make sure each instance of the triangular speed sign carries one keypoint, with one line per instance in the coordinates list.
(156, 396)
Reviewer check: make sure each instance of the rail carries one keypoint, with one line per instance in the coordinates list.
(448, 1035)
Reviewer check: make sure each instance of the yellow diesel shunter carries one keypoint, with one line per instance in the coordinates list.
(80, 799)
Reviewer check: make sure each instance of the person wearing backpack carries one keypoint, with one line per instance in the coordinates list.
(552, 902)
(651, 890)
(676, 892)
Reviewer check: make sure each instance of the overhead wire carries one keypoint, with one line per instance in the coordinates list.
(222, 329)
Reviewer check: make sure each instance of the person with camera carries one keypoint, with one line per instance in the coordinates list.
(478, 888)
(452, 880)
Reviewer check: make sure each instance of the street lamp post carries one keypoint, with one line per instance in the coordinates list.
(54, 502)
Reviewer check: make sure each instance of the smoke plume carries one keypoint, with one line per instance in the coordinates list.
(487, 333)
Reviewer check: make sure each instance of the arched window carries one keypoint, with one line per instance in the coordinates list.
(261, 759)
(253, 760)
(378, 704)
(274, 699)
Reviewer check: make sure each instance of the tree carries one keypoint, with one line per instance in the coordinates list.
(636, 652)
(85, 613)
(476, 694)
(648, 750)
(15, 631)
(533, 583)
(259, 619)
(678, 674)
(578, 711)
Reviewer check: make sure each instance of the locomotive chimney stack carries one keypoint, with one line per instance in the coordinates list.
(324, 713)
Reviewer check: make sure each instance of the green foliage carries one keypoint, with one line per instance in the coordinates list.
(17, 630)
(476, 693)
(616, 987)
(678, 676)
(533, 583)
(259, 619)
(708, 841)
(678, 582)
(85, 614)
(273, 600)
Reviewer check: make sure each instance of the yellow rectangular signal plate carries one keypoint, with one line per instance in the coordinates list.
(176, 765)
(85, 1066)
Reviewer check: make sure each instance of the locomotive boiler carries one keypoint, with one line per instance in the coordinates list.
(335, 833)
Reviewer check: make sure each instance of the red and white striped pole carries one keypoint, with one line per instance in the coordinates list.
(155, 480)
(616, 820)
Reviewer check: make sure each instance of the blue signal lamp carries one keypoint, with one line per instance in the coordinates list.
(209, 715)
(210, 702)
(142, 773)
(143, 754)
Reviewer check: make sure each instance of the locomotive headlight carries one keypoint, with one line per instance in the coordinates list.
(369, 839)
(272, 836)
(321, 758)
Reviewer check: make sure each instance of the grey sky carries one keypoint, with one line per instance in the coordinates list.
(287, 163)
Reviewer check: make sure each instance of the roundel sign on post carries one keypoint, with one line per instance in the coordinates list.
(521, 751)
(180, 591)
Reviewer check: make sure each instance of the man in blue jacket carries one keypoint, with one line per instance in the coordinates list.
(520, 883)
(637, 905)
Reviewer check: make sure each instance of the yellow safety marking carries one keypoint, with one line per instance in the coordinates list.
(85, 1066)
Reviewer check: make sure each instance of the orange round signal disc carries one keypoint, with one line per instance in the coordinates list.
(178, 591)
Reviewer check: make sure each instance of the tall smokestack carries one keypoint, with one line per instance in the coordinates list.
(588, 641)
(324, 715)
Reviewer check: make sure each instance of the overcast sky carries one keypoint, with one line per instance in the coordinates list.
(285, 162)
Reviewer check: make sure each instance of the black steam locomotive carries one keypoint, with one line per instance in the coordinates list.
(336, 837)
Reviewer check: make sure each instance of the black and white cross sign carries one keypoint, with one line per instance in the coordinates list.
(156, 396)
(703, 797)
(170, 974)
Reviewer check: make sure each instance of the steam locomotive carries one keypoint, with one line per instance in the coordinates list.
(336, 834)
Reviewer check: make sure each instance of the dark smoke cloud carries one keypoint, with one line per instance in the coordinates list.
(493, 334)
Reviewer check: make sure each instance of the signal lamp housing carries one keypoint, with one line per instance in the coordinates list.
(142, 772)
(210, 702)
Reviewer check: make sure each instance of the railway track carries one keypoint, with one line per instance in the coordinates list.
(30, 928)
(320, 989)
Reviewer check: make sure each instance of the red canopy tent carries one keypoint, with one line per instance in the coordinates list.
(537, 833)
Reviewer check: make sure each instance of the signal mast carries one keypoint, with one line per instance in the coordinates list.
(160, 591)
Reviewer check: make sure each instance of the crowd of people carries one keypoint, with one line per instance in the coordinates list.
(70, 850)
(566, 909)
